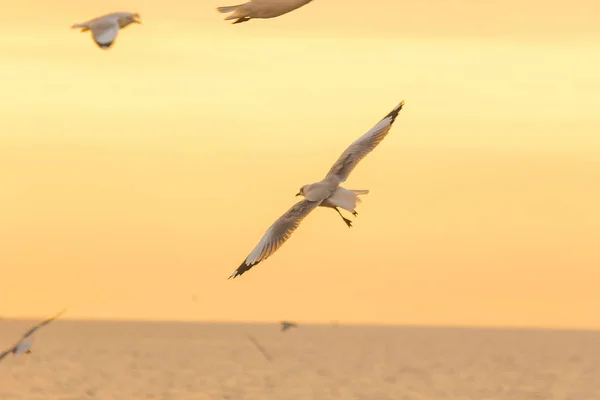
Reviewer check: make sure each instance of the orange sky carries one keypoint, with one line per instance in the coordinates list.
(137, 178)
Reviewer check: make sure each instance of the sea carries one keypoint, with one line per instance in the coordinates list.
(183, 361)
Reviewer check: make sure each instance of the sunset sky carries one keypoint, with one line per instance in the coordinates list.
(134, 179)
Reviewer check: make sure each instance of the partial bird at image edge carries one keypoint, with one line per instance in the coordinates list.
(24, 344)
(263, 9)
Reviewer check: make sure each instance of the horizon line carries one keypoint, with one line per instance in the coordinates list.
(318, 323)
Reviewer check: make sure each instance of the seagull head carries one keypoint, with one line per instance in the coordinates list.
(301, 192)
(125, 19)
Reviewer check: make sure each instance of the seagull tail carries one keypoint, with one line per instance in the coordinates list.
(358, 193)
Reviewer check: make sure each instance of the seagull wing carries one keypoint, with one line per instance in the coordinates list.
(7, 352)
(105, 32)
(260, 348)
(38, 326)
(277, 234)
(363, 146)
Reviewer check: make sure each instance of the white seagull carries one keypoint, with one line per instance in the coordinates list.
(261, 9)
(24, 345)
(105, 28)
(326, 193)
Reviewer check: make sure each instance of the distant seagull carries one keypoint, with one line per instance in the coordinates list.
(261, 9)
(260, 348)
(285, 325)
(105, 28)
(24, 345)
(327, 193)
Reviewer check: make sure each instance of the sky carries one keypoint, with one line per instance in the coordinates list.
(136, 179)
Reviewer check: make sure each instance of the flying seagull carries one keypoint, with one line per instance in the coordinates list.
(24, 345)
(285, 325)
(260, 348)
(105, 28)
(261, 9)
(327, 193)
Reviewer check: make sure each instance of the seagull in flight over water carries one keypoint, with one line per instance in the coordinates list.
(326, 193)
(285, 325)
(24, 345)
(262, 350)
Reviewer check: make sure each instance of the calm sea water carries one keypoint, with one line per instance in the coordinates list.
(122, 360)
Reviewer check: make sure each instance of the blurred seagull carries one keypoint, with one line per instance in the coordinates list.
(24, 345)
(260, 348)
(105, 28)
(261, 9)
(327, 193)
(285, 325)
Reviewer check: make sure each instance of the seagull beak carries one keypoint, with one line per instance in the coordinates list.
(298, 194)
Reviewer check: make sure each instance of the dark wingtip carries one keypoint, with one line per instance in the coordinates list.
(234, 274)
(241, 269)
(394, 113)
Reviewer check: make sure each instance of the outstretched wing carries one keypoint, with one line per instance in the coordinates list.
(260, 348)
(277, 234)
(7, 352)
(38, 326)
(363, 146)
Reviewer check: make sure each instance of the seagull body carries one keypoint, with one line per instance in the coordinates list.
(105, 28)
(261, 9)
(24, 345)
(285, 325)
(326, 193)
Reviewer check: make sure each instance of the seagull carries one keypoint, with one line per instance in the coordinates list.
(24, 345)
(105, 28)
(285, 325)
(261, 9)
(326, 193)
(260, 348)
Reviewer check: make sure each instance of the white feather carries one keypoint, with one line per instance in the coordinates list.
(346, 199)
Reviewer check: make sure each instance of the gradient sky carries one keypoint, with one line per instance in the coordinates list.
(136, 178)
